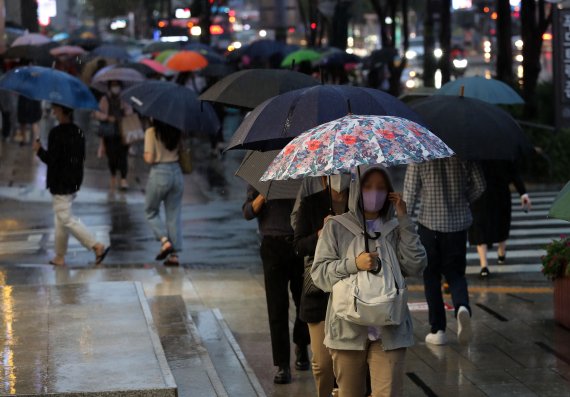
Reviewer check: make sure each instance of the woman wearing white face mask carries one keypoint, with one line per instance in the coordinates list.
(111, 110)
(339, 254)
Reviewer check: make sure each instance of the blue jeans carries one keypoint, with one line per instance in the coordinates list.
(165, 184)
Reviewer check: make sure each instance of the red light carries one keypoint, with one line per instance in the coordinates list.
(486, 10)
(162, 24)
(516, 14)
(232, 13)
(216, 30)
(494, 15)
(493, 32)
(291, 30)
(313, 25)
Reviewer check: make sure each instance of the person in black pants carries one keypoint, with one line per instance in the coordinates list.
(282, 270)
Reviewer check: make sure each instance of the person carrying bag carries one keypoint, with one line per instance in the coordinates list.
(341, 257)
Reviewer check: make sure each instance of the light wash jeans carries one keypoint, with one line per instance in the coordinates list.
(66, 224)
(165, 184)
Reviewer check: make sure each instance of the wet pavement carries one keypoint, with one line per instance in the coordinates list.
(210, 314)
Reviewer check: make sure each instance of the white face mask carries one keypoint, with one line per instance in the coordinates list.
(116, 90)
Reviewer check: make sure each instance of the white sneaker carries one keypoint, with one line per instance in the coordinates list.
(463, 325)
(438, 338)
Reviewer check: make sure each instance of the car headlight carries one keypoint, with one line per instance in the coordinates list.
(411, 54)
(460, 63)
(438, 53)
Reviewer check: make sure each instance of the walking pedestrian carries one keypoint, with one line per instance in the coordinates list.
(7, 108)
(445, 188)
(112, 109)
(165, 186)
(282, 269)
(339, 254)
(314, 212)
(492, 211)
(65, 157)
(29, 115)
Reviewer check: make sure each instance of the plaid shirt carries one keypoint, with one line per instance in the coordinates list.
(444, 188)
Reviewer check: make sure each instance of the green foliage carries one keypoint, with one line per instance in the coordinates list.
(555, 262)
(552, 161)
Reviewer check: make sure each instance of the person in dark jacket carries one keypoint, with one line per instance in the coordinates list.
(492, 211)
(64, 158)
(282, 270)
(314, 212)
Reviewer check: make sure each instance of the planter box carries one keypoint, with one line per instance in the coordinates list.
(562, 301)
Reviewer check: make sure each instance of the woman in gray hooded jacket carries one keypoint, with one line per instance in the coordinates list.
(339, 254)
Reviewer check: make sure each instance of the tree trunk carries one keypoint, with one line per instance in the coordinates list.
(532, 29)
(339, 28)
(396, 71)
(504, 44)
(313, 18)
(429, 46)
(445, 41)
(206, 23)
(380, 14)
(29, 9)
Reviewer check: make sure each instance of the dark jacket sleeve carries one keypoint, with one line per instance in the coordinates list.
(48, 156)
(516, 179)
(247, 208)
(43, 155)
(306, 237)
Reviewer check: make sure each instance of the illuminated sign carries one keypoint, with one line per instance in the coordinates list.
(458, 4)
(47, 9)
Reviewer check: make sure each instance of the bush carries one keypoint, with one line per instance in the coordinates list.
(551, 163)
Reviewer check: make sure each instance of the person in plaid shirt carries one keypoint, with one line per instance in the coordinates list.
(445, 188)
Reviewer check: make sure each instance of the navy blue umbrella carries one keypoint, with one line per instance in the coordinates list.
(45, 84)
(278, 120)
(111, 51)
(173, 104)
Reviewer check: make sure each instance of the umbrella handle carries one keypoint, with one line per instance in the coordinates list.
(361, 202)
(350, 112)
(329, 188)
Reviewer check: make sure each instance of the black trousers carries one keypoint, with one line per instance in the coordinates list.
(117, 156)
(446, 254)
(283, 271)
(6, 124)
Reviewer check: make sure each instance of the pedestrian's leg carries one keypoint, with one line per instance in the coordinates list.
(61, 236)
(123, 159)
(482, 251)
(72, 224)
(350, 370)
(502, 250)
(454, 264)
(386, 370)
(296, 267)
(6, 125)
(173, 210)
(432, 279)
(322, 360)
(273, 251)
(153, 197)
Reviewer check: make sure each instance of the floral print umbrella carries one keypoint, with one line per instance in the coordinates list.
(340, 145)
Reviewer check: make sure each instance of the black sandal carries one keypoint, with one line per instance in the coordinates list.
(164, 252)
(171, 262)
(100, 258)
(485, 272)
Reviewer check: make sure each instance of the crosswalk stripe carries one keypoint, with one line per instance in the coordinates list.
(506, 269)
(540, 222)
(555, 232)
(511, 254)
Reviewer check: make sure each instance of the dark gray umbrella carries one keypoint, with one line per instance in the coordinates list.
(111, 51)
(274, 123)
(474, 129)
(249, 88)
(252, 168)
(173, 104)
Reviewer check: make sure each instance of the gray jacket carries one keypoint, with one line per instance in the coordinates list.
(335, 259)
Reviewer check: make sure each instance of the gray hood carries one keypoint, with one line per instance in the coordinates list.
(355, 193)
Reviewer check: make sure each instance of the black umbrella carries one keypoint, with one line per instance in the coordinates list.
(111, 51)
(159, 46)
(39, 54)
(217, 70)
(474, 129)
(248, 88)
(143, 69)
(254, 166)
(278, 120)
(173, 104)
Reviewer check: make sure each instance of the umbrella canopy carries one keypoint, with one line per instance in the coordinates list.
(486, 90)
(351, 141)
(164, 56)
(249, 88)
(474, 129)
(208, 52)
(159, 46)
(187, 61)
(217, 70)
(338, 58)
(39, 54)
(252, 168)
(112, 52)
(561, 207)
(275, 122)
(304, 55)
(141, 68)
(264, 49)
(154, 65)
(31, 39)
(93, 66)
(125, 75)
(173, 104)
(45, 84)
(69, 50)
